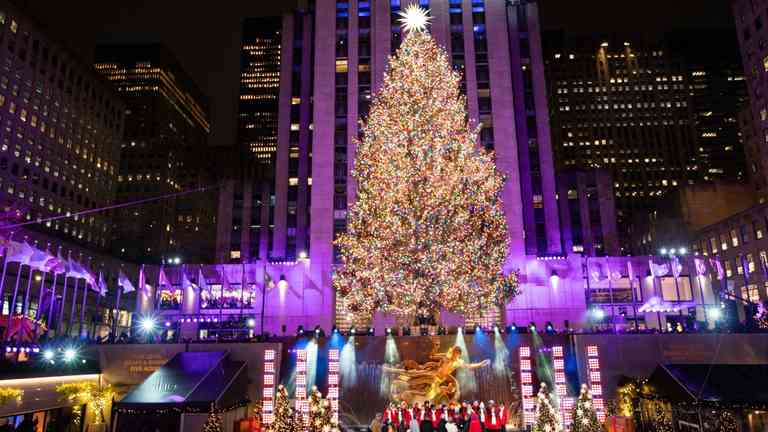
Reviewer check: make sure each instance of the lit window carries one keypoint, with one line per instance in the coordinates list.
(235, 254)
(341, 66)
(734, 238)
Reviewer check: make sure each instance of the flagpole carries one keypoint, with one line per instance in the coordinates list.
(221, 298)
(12, 306)
(82, 308)
(41, 296)
(60, 326)
(674, 262)
(25, 306)
(2, 278)
(73, 308)
(117, 310)
(264, 296)
(49, 319)
(242, 290)
(158, 291)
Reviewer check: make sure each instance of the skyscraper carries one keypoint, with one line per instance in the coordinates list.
(259, 87)
(61, 133)
(624, 108)
(751, 19)
(166, 134)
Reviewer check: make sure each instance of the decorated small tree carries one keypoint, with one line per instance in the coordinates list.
(297, 424)
(283, 415)
(319, 411)
(545, 417)
(213, 422)
(584, 414)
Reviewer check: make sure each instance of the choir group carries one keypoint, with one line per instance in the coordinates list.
(453, 417)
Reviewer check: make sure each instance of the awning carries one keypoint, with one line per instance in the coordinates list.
(191, 382)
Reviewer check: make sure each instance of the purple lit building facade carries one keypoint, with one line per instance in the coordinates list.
(332, 58)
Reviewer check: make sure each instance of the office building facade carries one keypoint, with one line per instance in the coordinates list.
(167, 126)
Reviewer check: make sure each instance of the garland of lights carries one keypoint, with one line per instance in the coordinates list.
(8, 394)
(428, 228)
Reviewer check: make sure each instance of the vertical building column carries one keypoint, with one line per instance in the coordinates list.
(544, 141)
(264, 232)
(522, 133)
(586, 221)
(381, 40)
(283, 141)
(224, 221)
(565, 216)
(245, 230)
(440, 27)
(504, 124)
(353, 94)
(305, 136)
(470, 71)
(607, 204)
(321, 230)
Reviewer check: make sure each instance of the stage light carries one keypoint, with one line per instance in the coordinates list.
(550, 328)
(371, 331)
(683, 251)
(167, 323)
(300, 330)
(715, 313)
(251, 322)
(335, 330)
(147, 324)
(48, 355)
(352, 331)
(495, 328)
(70, 354)
(302, 255)
(389, 331)
(663, 251)
(477, 328)
(597, 314)
(532, 326)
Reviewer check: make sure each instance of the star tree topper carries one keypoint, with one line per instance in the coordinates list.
(414, 18)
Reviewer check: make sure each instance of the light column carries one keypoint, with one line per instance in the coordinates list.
(565, 402)
(268, 388)
(526, 384)
(334, 367)
(595, 380)
(302, 405)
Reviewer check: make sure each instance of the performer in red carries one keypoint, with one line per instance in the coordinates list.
(494, 421)
(390, 415)
(403, 417)
(437, 416)
(474, 424)
(425, 418)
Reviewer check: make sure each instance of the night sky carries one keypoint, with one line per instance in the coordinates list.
(205, 36)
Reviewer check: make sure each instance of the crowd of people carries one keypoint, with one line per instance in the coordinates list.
(452, 417)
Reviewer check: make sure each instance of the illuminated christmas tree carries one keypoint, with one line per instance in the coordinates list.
(213, 422)
(317, 417)
(584, 414)
(283, 416)
(545, 417)
(428, 226)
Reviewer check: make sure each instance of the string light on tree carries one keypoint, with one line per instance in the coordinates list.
(428, 227)
(584, 415)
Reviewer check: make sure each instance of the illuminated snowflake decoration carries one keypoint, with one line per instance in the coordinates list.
(414, 18)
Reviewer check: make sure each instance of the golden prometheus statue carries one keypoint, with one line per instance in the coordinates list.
(433, 381)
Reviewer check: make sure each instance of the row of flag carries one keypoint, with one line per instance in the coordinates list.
(704, 267)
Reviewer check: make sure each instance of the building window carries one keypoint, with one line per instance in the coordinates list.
(235, 254)
(734, 238)
(713, 243)
(751, 293)
(724, 242)
(728, 268)
(758, 232)
(750, 263)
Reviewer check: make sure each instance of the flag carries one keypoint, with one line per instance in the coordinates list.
(19, 252)
(701, 267)
(39, 259)
(61, 265)
(143, 282)
(162, 279)
(658, 270)
(201, 283)
(674, 264)
(102, 285)
(745, 266)
(630, 272)
(718, 266)
(185, 282)
(75, 269)
(764, 264)
(124, 282)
